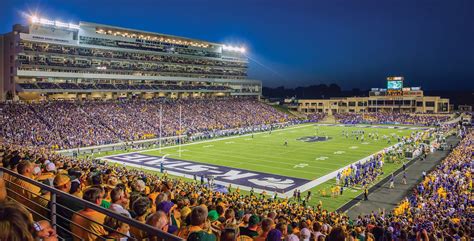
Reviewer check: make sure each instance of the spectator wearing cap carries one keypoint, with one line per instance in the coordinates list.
(168, 208)
(251, 229)
(65, 206)
(87, 223)
(213, 217)
(48, 175)
(119, 201)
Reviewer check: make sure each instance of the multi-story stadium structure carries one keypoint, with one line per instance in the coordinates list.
(54, 60)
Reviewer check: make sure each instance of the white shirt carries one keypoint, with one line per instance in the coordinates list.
(119, 209)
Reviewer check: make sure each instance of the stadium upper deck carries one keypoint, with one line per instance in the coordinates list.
(53, 60)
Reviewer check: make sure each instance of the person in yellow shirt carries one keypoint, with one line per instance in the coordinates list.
(87, 223)
(142, 208)
(24, 191)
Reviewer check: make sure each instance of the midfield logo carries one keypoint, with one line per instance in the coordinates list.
(235, 176)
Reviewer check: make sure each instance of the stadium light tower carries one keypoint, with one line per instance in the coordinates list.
(233, 48)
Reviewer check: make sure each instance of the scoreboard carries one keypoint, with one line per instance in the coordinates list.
(395, 83)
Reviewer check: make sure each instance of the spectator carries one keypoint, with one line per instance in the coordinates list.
(89, 219)
(116, 229)
(198, 224)
(251, 229)
(336, 234)
(267, 225)
(16, 223)
(119, 201)
(65, 207)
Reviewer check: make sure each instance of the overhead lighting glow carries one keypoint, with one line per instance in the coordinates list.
(34, 19)
(233, 48)
(61, 24)
(45, 21)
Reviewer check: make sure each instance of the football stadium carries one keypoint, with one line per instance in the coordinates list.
(113, 133)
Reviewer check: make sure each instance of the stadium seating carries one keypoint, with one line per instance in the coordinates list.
(437, 209)
(391, 118)
(63, 125)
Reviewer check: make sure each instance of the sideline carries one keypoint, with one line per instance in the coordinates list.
(212, 140)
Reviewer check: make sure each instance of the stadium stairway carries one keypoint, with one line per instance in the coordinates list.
(328, 119)
(297, 114)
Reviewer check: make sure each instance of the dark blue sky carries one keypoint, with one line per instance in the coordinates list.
(354, 43)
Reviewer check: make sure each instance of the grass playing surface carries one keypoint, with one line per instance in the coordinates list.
(266, 152)
(308, 160)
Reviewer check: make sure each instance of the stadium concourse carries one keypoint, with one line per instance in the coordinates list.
(438, 209)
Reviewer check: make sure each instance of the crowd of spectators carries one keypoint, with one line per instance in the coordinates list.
(315, 117)
(63, 125)
(125, 55)
(438, 208)
(391, 118)
(149, 87)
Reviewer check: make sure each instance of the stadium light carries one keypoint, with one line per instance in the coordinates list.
(34, 19)
(45, 21)
(233, 48)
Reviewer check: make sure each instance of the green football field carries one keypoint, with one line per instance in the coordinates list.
(266, 152)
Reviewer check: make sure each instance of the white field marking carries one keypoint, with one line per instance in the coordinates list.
(273, 156)
(339, 152)
(182, 150)
(207, 146)
(254, 161)
(301, 165)
(223, 153)
(265, 136)
(213, 140)
(353, 147)
(229, 142)
(365, 143)
(248, 139)
(322, 158)
(304, 187)
(190, 177)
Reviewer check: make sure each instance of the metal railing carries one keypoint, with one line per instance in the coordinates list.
(32, 201)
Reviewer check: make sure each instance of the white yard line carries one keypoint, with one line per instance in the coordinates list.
(214, 140)
(331, 175)
(302, 188)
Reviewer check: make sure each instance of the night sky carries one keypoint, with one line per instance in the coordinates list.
(354, 43)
